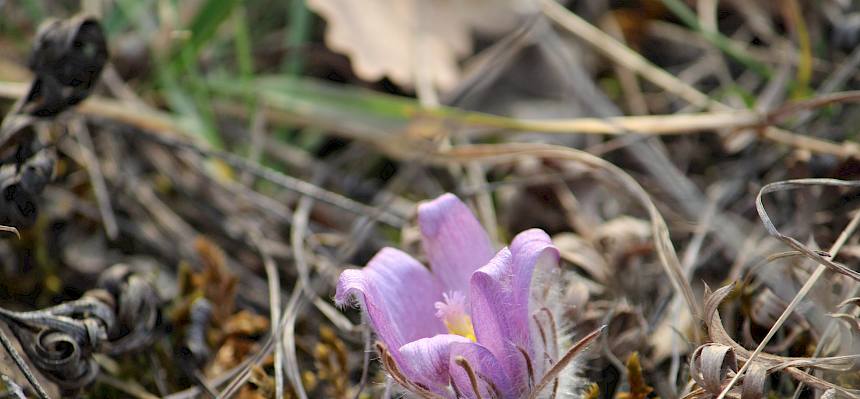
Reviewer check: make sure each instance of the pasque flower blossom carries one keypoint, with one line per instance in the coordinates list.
(478, 323)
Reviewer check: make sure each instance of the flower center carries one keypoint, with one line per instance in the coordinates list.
(452, 312)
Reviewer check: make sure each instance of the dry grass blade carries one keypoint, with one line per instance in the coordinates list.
(243, 372)
(91, 164)
(287, 335)
(22, 365)
(133, 389)
(850, 301)
(274, 283)
(672, 124)
(281, 179)
(797, 245)
(10, 229)
(297, 238)
(12, 389)
(623, 54)
(848, 318)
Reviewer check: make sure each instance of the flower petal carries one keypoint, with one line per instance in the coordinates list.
(501, 325)
(426, 360)
(503, 302)
(492, 381)
(455, 242)
(535, 257)
(398, 295)
(536, 279)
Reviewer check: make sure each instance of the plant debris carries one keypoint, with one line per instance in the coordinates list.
(186, 181)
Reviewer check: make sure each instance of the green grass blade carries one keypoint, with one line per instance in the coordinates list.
(688, 17)
(298, 31)
(206, 23)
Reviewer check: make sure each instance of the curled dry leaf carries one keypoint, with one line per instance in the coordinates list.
(713, 365)
(67, 60)
(392, 38)
(120, 315)
(21, 184)
(137, 308)
(771, 362)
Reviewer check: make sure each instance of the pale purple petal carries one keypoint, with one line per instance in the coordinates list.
(398, 295)
(501, 325)
(492, 381)
(536, 278)
(534, 256)
(455, 242)
(426, 360)
(502, 305)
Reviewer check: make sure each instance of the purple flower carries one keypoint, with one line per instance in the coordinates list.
(478, 323)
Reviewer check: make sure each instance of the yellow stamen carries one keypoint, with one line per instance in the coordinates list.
(452, 312)
(461, 325)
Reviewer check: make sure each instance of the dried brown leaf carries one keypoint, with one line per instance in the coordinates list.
(245, 323)
(394, 38)
(216, 281)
